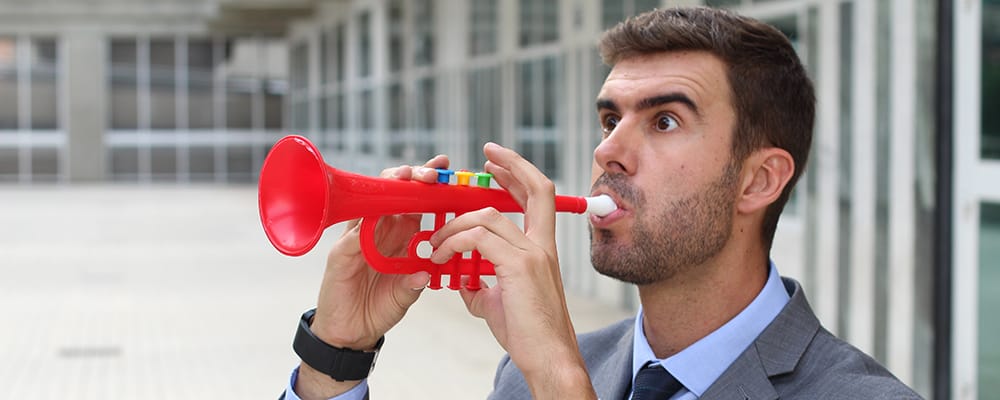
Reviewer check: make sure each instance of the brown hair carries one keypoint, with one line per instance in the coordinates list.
(771, 93)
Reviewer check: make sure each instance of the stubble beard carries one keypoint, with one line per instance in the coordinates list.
(669, 239)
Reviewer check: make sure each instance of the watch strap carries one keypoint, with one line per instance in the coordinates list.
(341, 364)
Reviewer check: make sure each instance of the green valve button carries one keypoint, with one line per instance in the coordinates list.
(483, 179)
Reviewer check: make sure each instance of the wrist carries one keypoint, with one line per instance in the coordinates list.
(328, 333)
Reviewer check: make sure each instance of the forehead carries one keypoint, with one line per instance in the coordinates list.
(699, 75)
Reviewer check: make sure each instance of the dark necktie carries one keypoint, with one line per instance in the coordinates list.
(653, 382)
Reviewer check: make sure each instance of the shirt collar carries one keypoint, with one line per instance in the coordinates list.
(701, 364)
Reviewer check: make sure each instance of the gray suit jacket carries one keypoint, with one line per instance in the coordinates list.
(793, 358)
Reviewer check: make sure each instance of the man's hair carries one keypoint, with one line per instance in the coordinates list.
(771, 93)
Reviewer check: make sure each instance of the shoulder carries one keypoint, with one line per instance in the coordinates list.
(831, 368)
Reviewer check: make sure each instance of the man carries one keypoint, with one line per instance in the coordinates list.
(706, 120)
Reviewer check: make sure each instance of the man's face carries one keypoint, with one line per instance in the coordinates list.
(666, 160)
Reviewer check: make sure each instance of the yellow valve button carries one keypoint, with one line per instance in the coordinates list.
(463, 177)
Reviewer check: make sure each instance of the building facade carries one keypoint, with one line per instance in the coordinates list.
(140, 91)
(893, 231)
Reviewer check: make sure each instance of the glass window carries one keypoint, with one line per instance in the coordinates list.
(202, 163)
(423, 32)
(366, 120)
(9, 164)
(274, 112)
(243, 78)
(44, 92)
(484, 110)
(339, 115)
(325, 57)
(239, 102)
(300, 116)
(124, 85)
(614, 11)
(397, 110)
(538, 89)
(483, 27)
(425, 104)
(395, 35)
(539, 22)
(163, 163)
(339, 52)
(299, 74)
(201, 104)
(162, 84)
(364, 44)
(397, 136)
(722, 3)
(989, 299)
(8, 84)
(125, 163)
(991, 79)
(239, 163)
(44, 164)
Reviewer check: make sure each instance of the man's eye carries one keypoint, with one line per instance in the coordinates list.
(609, 123)
(665, 123)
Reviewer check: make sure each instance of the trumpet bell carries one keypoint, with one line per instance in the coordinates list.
(293, 195)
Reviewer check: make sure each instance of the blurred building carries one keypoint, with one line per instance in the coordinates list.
(133, 90)
(894, 231)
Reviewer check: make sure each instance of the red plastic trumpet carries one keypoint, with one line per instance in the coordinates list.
(300, 196)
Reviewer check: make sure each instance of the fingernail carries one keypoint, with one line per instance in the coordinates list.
(491, 145)
(397, 173)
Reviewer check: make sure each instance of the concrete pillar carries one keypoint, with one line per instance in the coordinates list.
(86, 104)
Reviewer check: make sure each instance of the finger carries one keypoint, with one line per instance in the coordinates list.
(474, 299)
(428, 172)
(488, 218)
(415, 282)
(438, 161)
(539, 206)
(406, 289)
(402, 172)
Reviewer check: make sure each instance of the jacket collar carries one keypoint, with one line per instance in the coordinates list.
(775, 352)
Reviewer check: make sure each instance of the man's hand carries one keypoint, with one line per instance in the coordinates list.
(358, 305)
(526, 310)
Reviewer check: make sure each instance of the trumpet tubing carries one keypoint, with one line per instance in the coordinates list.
(299, 196)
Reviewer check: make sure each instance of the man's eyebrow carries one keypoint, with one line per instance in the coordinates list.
(655, 101)
(662, 99)
(607, 104)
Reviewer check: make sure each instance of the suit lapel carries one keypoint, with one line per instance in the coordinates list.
(613, 378)
(609, 359)
(775, 352)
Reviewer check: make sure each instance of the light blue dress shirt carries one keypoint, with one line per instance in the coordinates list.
(697, 366)
(702, 363)
(356, 393)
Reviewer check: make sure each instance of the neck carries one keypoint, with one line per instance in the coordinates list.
(700, 299)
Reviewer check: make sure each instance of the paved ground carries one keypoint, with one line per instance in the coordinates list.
(124, 292)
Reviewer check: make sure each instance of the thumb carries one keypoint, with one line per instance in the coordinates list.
(409, 287)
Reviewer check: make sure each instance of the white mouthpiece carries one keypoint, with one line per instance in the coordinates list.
(601, 205)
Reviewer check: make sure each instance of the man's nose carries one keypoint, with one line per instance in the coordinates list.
(617, 152)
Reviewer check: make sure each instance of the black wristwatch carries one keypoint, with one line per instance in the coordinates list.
(340, 363)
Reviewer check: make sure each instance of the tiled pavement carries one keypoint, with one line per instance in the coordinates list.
(149, 292)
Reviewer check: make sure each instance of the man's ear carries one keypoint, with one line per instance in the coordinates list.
(766, 172)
